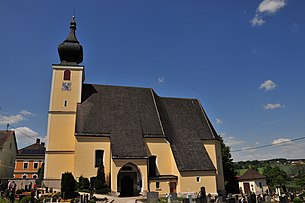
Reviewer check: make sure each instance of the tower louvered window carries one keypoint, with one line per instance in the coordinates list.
(67, 75)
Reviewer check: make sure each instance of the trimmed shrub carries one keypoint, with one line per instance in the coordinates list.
(100, 181)
(104, 190)
(19, 191)
(297, 200)
(67, 185)
(25, 199)
(83, 184)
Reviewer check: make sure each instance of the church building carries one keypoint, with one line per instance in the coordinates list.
(145, 142)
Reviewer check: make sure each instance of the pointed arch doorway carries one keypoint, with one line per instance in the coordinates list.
(129, 181)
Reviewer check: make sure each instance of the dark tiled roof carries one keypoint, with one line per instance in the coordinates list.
(34, 149)
(4, 135)
(251, 174)
(128, 114)
(186, 127)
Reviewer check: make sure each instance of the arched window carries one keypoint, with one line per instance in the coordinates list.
(99, 156)
(67, 75)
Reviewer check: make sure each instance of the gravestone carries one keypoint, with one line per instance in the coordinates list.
(152, 197)
(173, 196)
(283, 199)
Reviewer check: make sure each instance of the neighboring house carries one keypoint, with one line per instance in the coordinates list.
(28, 160)
(252, 181)
(8, 150)
(145, 142)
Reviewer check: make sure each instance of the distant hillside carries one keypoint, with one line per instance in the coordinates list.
(291, 166)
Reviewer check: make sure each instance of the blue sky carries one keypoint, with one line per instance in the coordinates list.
(244, 60)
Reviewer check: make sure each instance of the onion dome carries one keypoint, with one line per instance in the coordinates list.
(70, 51)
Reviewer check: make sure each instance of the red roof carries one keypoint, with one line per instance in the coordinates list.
(251, 174)
(34, 149)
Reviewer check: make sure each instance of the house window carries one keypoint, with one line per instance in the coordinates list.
(35, 165)
(157, 185)
(24, 176)
(34, 176)
(99, 154)
(67, 75)
(152, 166)
(198, 179)
(25, 165)
(260, 185)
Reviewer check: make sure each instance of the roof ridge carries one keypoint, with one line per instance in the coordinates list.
(109, 85)
(158, 113)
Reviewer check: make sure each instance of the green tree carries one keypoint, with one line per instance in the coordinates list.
(100, 181)
(67, 185)
(40, 175)
(275, 176)
(83, 183)
(301, 182)
(229, 172)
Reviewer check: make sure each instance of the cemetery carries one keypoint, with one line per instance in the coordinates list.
(86, 191)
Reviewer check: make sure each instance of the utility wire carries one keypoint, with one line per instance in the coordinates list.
(268, 145)
(20, 131)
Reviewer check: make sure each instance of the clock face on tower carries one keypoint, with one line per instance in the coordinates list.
(66, 86)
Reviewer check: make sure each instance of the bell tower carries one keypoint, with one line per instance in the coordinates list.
(66, 88)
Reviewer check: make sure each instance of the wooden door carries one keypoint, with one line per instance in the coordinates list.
(172, 187)
(247, 188)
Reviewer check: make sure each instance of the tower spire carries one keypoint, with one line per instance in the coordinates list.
(70, 51)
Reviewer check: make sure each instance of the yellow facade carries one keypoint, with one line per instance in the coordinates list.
(194, 180)
(213, 148)
(7, 158)
(160, 148)
(163, 187)
(85, 153)
(61, 123)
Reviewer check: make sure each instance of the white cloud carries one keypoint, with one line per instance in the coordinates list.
(257, 20)
(281, 141)
(270, 106)
(25, 113)
(267, 7)
(12, 119)
(268, 85)
(231, 140)
(25, 136)
(280, 148)
(161, 80)
(271, 6)
(295, 27)
(219, 121)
